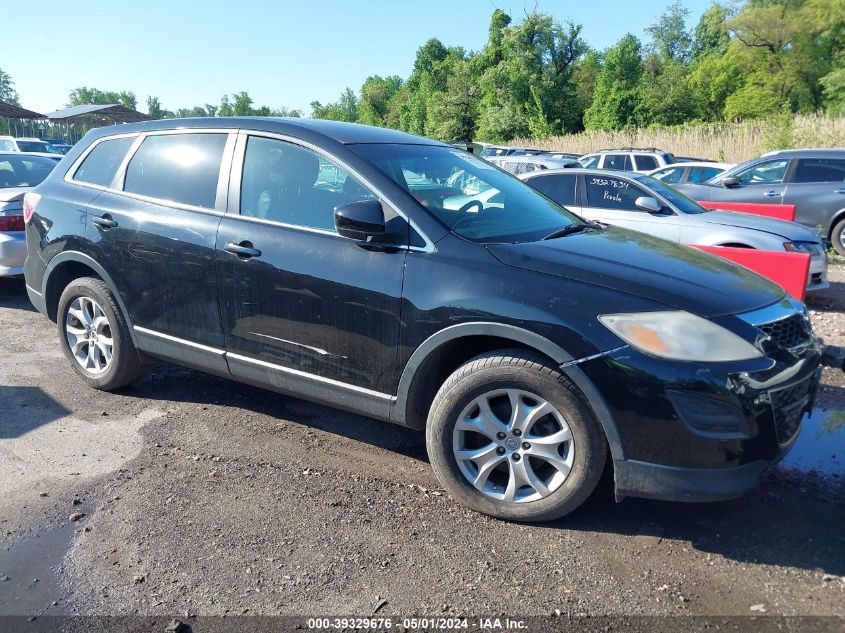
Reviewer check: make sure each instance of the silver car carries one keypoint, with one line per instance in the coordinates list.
(19, 172)
(642, 203)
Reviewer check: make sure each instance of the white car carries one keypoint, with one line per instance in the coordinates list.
(642, 160)
(698, 171)
(19, 172)
(26, 144)
(641, 203)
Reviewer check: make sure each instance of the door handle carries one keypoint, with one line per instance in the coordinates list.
(773, 194)
(840, 191)
(105, 221)
(244, 250)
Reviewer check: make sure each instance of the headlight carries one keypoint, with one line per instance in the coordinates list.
(803, 247)
(680, 336)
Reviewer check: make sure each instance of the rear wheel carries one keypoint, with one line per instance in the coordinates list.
(508, 435)
(94, 336)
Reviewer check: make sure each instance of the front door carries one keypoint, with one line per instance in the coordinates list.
(304, 309)
(612, 200)
(760, 183)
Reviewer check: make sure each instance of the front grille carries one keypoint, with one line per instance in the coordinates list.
(788, 407)
(789, 332)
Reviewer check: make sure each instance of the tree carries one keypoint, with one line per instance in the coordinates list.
(8, 94)
(154, 108)
(93, 96)
(671, 40)
(616, 99)
(344, 109)
(376, 94)
(711, 35)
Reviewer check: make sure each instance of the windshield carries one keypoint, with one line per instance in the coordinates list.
(683, 203)
(24, 171)
(470, 196)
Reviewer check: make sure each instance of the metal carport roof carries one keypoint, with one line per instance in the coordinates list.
(10, 111)
(114, 112)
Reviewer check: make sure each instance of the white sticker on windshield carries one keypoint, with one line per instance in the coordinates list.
(472, 160)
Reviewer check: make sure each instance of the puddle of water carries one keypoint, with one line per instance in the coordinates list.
(36, 557)
(821, 444)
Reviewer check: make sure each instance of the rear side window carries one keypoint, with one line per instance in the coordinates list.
(700, 174)
(612, 193)
(819, 170)
(646, 163)
(617, 162)
(561, 189)
(182, 168)
(6, 145)
(102, 162)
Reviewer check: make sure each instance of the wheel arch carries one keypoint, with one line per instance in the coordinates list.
(70, 265)
(834, 220)
(444, 351)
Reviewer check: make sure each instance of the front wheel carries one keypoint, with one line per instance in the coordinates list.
(508, 435)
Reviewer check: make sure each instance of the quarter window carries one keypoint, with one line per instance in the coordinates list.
(617, 162)
(612, 193)
(292, 185)
(102, 162)
(766, 173)
(561, 189)
(181, 168)
(819, 170)
(590, 162)
(646, 163)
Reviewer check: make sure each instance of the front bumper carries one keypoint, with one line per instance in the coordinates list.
(704, 431)
(12, 252)
(817, 278)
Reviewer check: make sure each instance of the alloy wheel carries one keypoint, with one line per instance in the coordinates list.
(89, 335)
(513, 446)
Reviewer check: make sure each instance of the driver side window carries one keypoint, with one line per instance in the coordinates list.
(770, 172)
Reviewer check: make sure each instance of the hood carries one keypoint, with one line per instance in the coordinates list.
(790, 230)
(635, 263)
(10, 194)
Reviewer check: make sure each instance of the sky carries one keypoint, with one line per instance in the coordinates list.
(284, 53)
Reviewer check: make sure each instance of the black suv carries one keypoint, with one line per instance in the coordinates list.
(336, 263)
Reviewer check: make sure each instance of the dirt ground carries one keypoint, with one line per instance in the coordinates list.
(204, 496)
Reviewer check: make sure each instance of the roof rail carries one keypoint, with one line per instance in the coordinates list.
(632, 149)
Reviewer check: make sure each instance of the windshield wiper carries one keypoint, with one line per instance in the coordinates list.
(569, 230)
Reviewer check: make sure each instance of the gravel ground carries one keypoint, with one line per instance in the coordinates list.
(204, 496)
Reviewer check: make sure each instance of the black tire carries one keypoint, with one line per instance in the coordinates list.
(522, 370)
(127, 364)
(836, 237)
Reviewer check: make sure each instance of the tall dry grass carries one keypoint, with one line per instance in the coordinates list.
(725, 142)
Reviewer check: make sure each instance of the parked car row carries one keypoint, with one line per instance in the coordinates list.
(643, 203)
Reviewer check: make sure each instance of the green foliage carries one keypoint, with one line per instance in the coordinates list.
(617, 97)
(8, 94)
(93, 96)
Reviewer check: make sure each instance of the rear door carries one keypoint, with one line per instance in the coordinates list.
(154, 231)
(817, 189)
(305, 309)
(610, 199)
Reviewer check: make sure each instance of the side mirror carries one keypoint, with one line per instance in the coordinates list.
(647, 203)
(359, 220)
(730, 182)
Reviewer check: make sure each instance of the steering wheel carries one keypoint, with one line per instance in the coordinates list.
(472, 203)
(464, 208)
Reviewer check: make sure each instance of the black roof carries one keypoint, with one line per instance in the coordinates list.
(307, 129)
